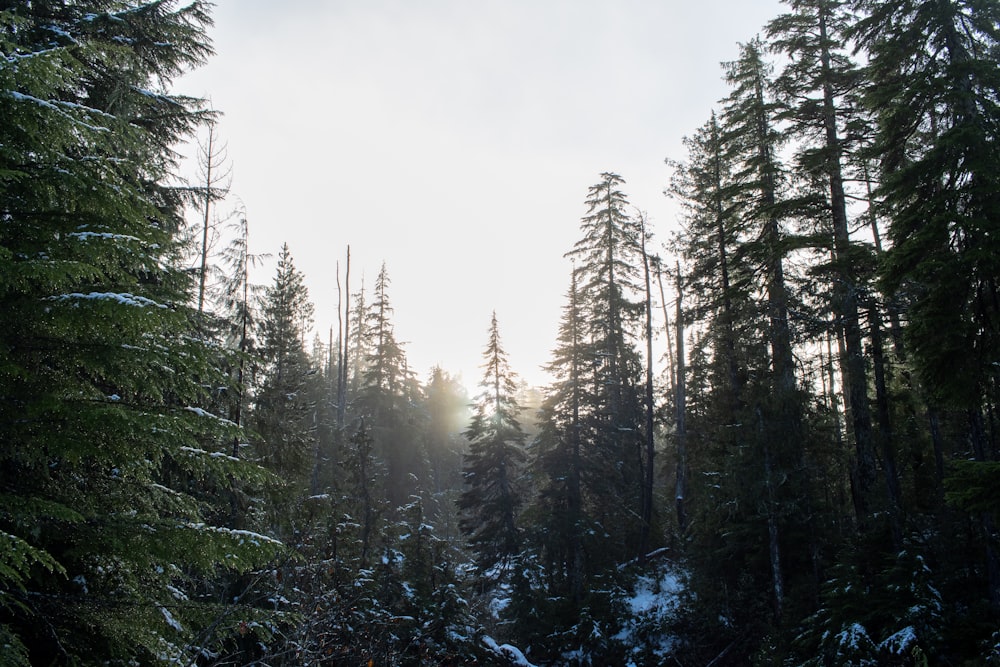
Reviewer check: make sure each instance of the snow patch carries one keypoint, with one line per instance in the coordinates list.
(171, 621)
(512, 653)
(899, 642)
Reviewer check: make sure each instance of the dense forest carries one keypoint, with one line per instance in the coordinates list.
(807, 473)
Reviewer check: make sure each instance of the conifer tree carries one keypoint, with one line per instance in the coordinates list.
(492, 495)
(388, 398)
(111, 468)
(932, 84)
(563, 457)
(282, 414)
(447, 406)
(608, 264)
(818, 91)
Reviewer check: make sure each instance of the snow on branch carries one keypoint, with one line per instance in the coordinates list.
(56, 106)
(122, 298)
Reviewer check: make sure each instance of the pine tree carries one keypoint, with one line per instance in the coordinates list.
(492, 497)
(111, 468)
(608, 263)
(552, 582)
(388, 397)
(282, 404)
(447, 406)
(931, 85)
(818, 89)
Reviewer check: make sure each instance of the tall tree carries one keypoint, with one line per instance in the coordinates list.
(753, 146)
(387, 396)
(608, 262)
(238, 301)
(491, 499)
(110, 467)
(282, 414)
(933, 84)
(565, 430)
(818, 90)
(214, 186)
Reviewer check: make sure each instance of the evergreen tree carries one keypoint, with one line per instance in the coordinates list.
(112, 470)
(492, 497)
(388, 397)
(818, 89)
(933, 81)
(608, 263)
(282, 405)
(563, 526)
(447, 406)
(931, 84)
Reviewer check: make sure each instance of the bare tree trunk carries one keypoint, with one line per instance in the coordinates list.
(680, 405)
(666, 328)
(648, 476)
(211, 158)
(342, 380)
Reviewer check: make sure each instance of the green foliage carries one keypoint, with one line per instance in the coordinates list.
(492, 497)
(113, 473)
(283, 410)
(892, 616)
(974, 486)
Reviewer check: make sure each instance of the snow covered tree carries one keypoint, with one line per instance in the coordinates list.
(111, 470)
(492, 497)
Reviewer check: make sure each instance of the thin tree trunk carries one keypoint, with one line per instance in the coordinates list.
(647, 487)
(885, 429)
(203, 271)
(773, 534)
(666, 328)
(834, 402)
(342, 379)
(680, 404)
(846, 305)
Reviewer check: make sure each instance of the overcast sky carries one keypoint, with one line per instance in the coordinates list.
(455, 140)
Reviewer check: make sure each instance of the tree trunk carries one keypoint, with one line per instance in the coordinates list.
(885, 429)
(680, 404)
(647, 485)
(845, 301)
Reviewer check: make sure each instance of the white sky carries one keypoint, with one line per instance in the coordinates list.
(456, 140)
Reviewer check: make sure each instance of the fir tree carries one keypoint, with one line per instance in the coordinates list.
(608, 261)
(818, 89)
(563, 458)
(282, 405)
(492, 497)
(388, 397)
(111, 467)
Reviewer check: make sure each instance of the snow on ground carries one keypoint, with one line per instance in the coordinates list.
(653, 604)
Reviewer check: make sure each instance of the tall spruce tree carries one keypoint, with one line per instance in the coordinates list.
(608, 262)
(818, 96)
(492, 468)
(111, 467)
(284, 401)
(564, 430)
(932, 86)
(388, 397)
